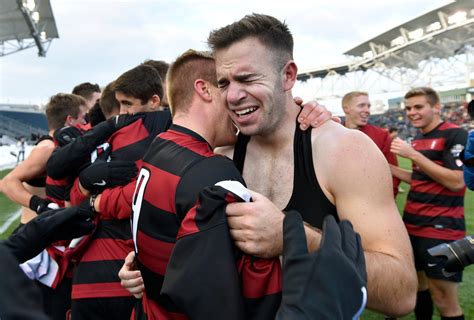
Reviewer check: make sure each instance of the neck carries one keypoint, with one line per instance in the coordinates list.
(433, 124)
(196, 122)
(351, 125)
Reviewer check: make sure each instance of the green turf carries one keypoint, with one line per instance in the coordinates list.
(467, 286)
(7, 208)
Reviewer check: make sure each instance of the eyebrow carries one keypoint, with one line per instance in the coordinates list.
(125, 101)
(245, 76)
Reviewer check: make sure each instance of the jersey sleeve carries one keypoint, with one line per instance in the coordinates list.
(455, 143)
(71, 157)
(391, 159)
(116, 203)
(75, 194)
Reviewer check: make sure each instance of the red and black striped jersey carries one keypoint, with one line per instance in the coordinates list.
(432, 210)
(58, 190)
(96, 276)
(383, 141)
(183, 244)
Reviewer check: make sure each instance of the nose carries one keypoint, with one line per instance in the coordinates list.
(410, 112)
(235, 94)
(123, 110)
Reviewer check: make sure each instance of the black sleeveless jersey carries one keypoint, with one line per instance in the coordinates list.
(39, 182)
(307, 197)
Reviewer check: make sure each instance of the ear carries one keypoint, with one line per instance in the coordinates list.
(437, 108)
(155, 101)
(202, 88)
(290, 71)
(69, 120)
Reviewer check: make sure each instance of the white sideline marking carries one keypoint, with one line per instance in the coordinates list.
(9, 222)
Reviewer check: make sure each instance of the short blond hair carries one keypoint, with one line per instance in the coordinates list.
(351, 95)
(182, 74)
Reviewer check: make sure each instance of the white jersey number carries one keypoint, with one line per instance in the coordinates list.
(137, 200)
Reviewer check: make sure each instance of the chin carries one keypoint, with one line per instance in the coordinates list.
(251, 130)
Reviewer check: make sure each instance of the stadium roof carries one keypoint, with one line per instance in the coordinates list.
(25, 24)
(440, 33)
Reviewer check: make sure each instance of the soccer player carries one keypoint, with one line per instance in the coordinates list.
(356, 107)
(330, 170)
(434, 212)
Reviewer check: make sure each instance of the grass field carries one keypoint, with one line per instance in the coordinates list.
(467, 286)
(7, 209)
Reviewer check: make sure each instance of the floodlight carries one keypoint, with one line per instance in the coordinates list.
(43, 35)
(459, 16)
(433, 27)
(30, 5)
(397, 41)
(368, 54)
(416, 34)
(35, 16)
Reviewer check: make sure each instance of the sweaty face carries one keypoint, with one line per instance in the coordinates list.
(421, 114)
(357, 112)
(130, 104)
(250, 82)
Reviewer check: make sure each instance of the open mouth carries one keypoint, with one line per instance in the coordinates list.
(245, 112)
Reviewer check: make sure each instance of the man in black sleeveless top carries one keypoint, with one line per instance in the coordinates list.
(327, 170)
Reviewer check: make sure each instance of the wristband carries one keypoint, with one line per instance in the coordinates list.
(92, 202)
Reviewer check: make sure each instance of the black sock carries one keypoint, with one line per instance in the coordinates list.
(461, 317)
(424, 305)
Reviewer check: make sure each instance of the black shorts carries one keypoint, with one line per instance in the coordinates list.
(117, 308)
(432, 266)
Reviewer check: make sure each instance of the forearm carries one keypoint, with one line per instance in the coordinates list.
(16, 192)
(313, 237)
(66, 159)
(77, 193)
(401, 174)
(76, 153)
(391, 283)
(116, 203)
(446, 177)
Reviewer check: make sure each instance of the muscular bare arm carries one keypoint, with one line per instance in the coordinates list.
(451, 179)
(361, 189)
(33, 166)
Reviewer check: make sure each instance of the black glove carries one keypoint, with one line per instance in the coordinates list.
(326, 284)
(122, 120)
(51, 226)
(65, 135)
(102, 175)
(40, 205)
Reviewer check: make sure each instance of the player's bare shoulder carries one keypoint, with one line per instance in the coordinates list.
(337, 149)
(46, 145)
(333, 137)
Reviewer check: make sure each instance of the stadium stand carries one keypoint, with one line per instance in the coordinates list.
(22, 121)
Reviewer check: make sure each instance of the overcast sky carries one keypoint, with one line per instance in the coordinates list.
(100, 39)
